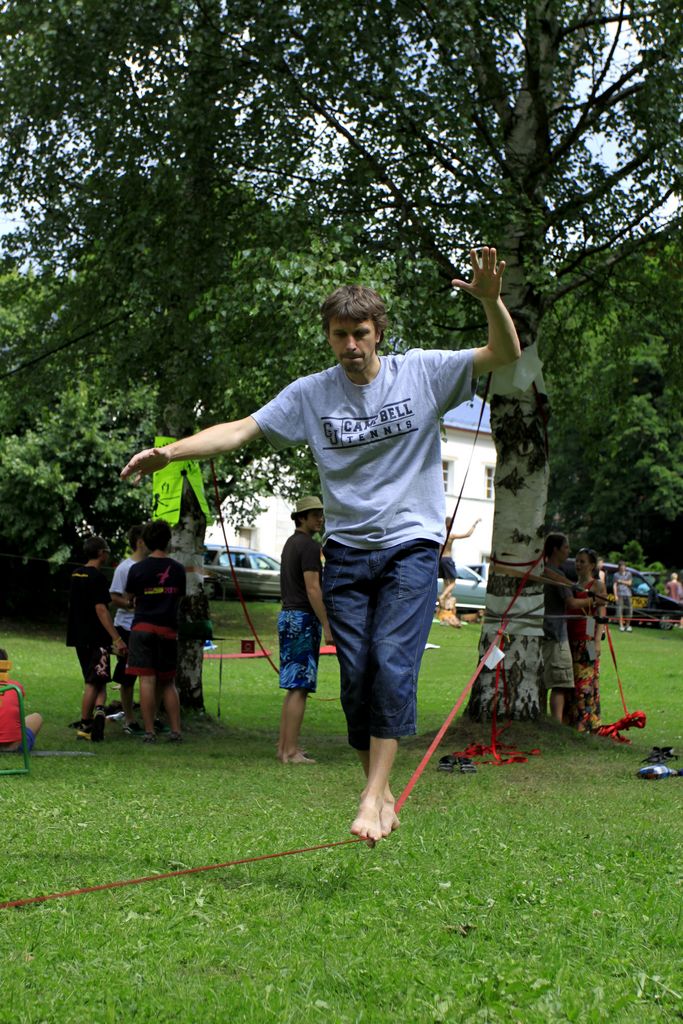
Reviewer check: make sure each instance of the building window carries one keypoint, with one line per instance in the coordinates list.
(447, 471)
(488, 481)
(245, 536)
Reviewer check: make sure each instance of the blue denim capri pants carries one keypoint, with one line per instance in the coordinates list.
(380, 604)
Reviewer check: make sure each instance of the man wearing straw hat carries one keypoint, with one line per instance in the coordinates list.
(373, 426)
(300, 624)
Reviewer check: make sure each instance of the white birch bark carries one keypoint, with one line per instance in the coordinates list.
(187, 547)
(521, 482)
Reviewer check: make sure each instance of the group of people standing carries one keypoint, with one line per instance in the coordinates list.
(146, 590)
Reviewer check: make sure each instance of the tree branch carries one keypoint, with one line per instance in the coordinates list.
(581, 26)
(383, 176)
(610, 56)
(478, 121)
(66, 344)
(609, 98)
(624, 251)
(624, 231)
(581, 199)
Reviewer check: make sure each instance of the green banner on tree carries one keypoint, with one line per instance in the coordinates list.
(167, 487)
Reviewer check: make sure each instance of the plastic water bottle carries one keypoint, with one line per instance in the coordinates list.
(657, 771)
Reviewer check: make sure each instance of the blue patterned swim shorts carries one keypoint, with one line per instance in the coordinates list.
(299, 634)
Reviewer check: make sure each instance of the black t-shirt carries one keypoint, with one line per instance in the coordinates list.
(157, 585)
(300, 554)
(89, 587)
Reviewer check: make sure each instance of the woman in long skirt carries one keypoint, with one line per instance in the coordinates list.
(582, 707)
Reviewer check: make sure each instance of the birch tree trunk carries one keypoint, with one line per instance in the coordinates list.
(193, 618)
(519, 414)
(521, 481)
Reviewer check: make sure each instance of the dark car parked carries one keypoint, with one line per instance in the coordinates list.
(649, 607)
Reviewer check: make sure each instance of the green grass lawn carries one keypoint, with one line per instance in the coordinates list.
(533, 893)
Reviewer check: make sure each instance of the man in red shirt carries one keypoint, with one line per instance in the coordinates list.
(10, 722)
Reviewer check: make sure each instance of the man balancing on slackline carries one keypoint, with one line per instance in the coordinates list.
(372, 423)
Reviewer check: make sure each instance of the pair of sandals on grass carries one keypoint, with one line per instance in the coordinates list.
(660, 755)
(451, 762)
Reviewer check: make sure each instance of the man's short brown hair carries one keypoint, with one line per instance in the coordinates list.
(354, 302)
(93, 546)
(552, 542)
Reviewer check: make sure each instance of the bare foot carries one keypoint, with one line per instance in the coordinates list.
(387, 816)
(281, 754)
(368, 824)
(297, 758)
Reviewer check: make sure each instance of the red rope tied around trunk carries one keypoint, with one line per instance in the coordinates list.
(502, 753)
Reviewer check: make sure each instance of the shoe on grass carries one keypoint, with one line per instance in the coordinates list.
(84, 731)
(98, 719)
(174, 737)
(132, 728)
(149, 737)
(658, 755)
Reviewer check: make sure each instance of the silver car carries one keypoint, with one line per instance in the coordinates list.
(258, 575)
(470, 587)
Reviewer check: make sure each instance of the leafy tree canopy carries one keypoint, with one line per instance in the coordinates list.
(193, 176)
(617, 430)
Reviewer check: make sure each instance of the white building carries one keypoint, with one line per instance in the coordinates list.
(270, 530)
(459, 450)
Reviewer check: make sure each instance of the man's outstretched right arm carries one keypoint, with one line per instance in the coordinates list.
(224, 437)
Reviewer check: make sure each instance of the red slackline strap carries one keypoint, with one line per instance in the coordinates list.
(616, 668)
(631, 720)
(173, 874)
(268, 856)
(440, 734)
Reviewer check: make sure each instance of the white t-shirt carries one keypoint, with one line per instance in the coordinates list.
(377, 446)
(124, 616)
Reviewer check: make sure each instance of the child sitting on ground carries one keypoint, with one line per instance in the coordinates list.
(10, 721)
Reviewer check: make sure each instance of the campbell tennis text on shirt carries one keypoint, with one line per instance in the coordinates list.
(391, 420)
